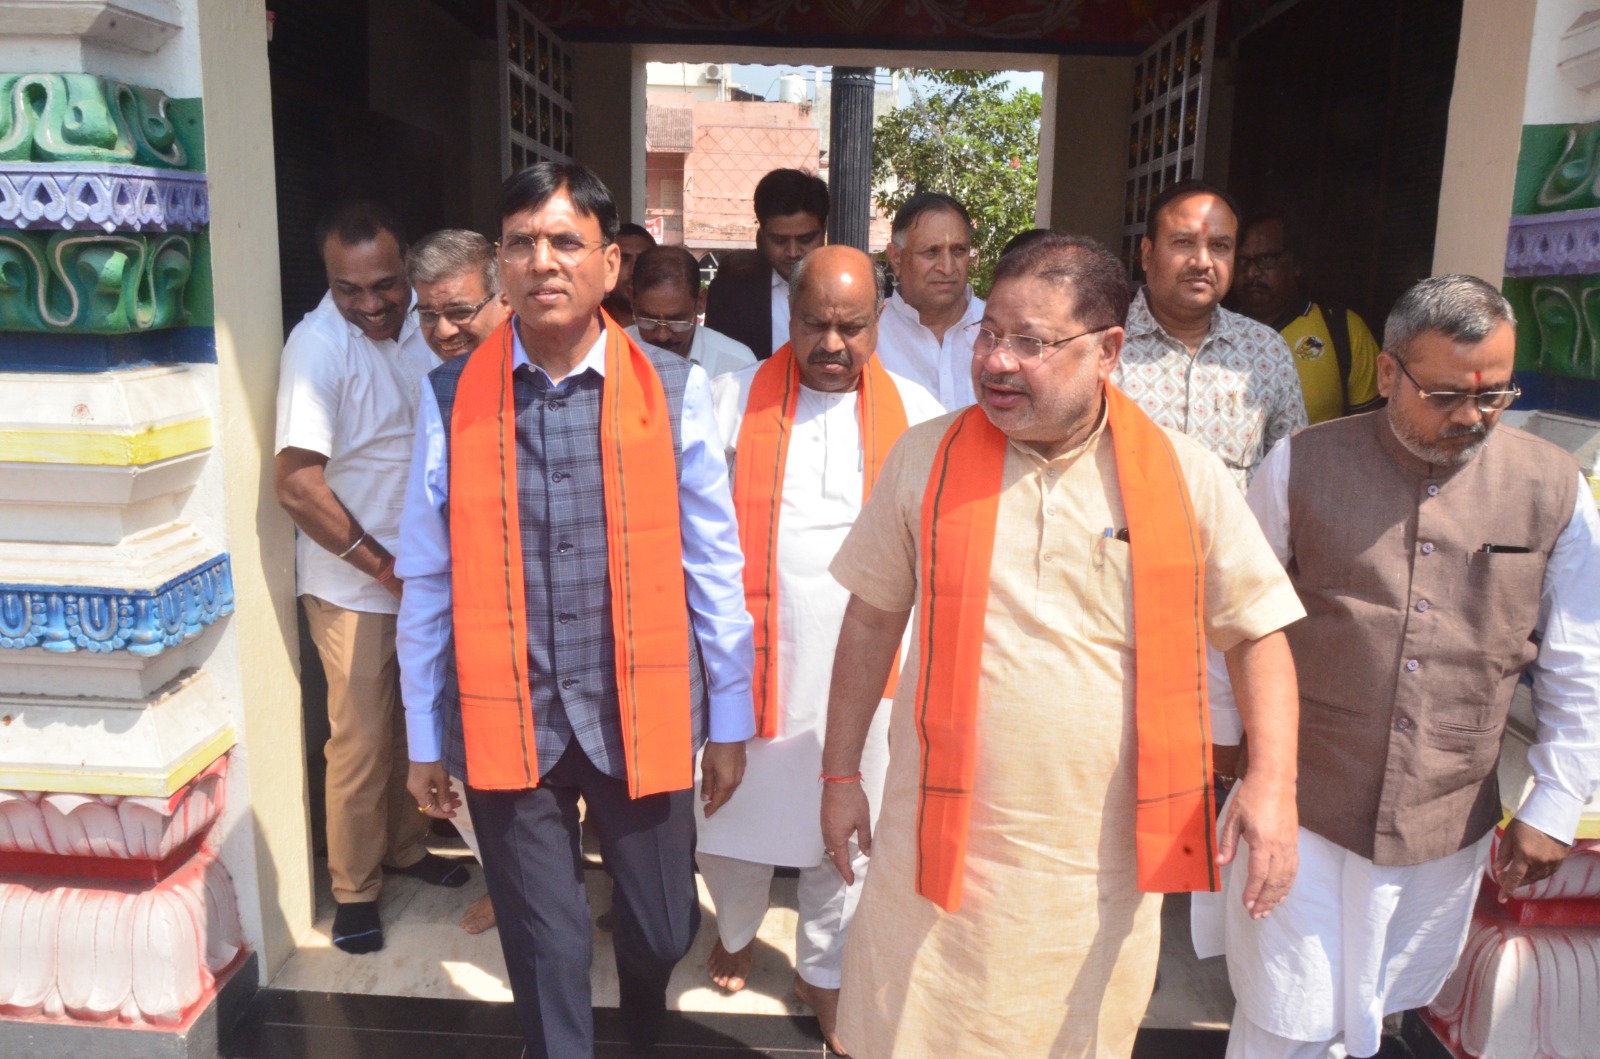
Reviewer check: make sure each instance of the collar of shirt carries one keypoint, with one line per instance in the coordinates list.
(1142, 322)
(1291, 316)
(594, 360)
(778, 282)
(408, 326)
(697, 345)
(903, 309)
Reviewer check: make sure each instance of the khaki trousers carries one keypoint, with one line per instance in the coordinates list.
(372, 819)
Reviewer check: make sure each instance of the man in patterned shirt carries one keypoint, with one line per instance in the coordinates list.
(1224, 379)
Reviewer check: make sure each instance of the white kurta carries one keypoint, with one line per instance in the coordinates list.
(773, 818)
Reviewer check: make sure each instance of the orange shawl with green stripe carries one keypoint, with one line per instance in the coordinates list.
(649, 615)
(1174, 809)
(763, 453)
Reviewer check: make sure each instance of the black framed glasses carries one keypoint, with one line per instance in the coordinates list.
(461, 315)
(1450, 400)
(1025, 349)
(677, 327)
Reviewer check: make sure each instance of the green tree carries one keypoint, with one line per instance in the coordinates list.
(963, 134)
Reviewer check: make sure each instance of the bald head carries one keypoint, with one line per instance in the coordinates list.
(841, 265)
(834, 301)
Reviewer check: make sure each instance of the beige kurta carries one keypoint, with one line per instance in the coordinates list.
(1053, 951)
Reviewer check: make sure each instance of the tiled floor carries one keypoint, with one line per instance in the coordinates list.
(437, 991)
(427, 954)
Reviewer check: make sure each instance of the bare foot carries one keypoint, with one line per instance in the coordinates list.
(479, 916)
(730, 969)
(824, 1003)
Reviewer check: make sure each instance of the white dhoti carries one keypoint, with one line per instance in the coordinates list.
(740, 890)
(1353, 942)
(774, 816)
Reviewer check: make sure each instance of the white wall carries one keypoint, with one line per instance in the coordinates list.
(1551, 98)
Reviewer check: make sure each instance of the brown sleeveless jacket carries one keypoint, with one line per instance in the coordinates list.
(1415, 636)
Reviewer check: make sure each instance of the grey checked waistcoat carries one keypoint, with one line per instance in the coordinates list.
(561, 508)
(1414, 636)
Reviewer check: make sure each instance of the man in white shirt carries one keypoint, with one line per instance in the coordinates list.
(931, 319)
(668, 299)
(348, 388)
(806, 432)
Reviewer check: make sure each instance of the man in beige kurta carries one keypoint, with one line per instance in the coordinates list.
(1053, 949)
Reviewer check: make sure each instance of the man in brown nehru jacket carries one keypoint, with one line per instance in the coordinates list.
(1438, 557)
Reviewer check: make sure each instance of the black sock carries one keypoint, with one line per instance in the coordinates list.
(356, 928)
(440, 871)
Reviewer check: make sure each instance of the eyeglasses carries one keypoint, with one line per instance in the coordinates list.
(1450, 400)
(1265, 262)
(1025, 349)
(460, 316)
(568, 248)
(677, 327)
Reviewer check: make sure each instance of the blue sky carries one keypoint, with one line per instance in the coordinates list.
(763, 80)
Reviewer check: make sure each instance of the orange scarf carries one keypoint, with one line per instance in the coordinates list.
(1174, 808)
(763, 453)
(649, 615)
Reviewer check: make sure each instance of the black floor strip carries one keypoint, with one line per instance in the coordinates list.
(294, 1024)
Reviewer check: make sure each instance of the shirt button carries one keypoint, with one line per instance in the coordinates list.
(563, 547)
(565, 617)
(1422, 606)
(555, 406)
(568, 682)
(1050, 472)
(1049, 511)
(1404, 724)
(1433, 490)
(1411, 665)
(1427, 547)
(556, 476)
(1049, 558)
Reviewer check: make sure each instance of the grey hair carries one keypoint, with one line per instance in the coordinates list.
(797, 280)
(1464, 309)
(452, 252)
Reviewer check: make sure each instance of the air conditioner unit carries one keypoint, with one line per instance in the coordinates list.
(714, 71)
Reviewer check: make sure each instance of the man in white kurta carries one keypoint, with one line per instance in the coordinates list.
(774, 819)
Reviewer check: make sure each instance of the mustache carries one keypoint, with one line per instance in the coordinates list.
(1475, 430)
(1013, 380)
(821, 358)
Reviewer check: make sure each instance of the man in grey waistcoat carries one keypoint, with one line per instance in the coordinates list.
(1439, 557)
(573, 622)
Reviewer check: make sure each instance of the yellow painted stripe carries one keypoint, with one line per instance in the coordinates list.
(1594, 487)
(104, 448)
(129, 784)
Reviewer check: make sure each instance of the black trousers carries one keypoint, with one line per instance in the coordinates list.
(533, 864)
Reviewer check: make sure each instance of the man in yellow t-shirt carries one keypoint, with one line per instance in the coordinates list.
(1337, 365)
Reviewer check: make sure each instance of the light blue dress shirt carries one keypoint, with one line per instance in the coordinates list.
(713, 566)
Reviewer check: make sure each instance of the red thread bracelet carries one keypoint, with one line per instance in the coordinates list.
(386, 571)
(825, 778)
